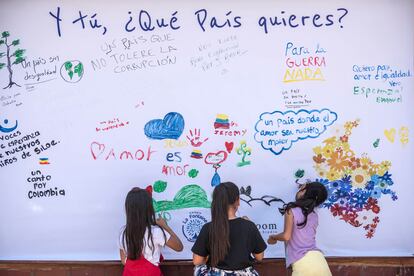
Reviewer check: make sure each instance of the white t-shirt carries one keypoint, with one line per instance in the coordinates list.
(159, 242)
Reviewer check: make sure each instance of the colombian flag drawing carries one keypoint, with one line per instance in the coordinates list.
(222, 121)
(196, 154)
(44, 161)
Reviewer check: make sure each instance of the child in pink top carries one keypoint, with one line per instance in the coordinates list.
(301, 222)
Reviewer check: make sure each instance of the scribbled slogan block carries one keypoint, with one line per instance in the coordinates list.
(277, 131)
(382, 83)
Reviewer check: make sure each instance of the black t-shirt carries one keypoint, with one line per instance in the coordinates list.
(244, 240)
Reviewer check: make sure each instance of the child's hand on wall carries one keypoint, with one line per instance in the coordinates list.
(272, 239)
(161, 222)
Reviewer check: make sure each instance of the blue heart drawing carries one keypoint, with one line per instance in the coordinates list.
(171, 127)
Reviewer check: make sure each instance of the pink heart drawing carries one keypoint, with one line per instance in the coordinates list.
(97, 148)
(214, 158)
(229, 146)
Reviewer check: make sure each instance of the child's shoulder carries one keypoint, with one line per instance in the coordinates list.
(296, 211)
(159, 235)
(246, 223)
(156, 230)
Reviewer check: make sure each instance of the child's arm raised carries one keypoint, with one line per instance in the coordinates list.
(174, 241)
(287, 232)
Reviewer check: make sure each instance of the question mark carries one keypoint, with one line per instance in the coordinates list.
(340, 18)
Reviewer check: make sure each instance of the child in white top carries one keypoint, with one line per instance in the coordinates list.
(143, 236)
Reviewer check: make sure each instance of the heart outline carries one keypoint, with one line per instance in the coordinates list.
(216, 154)
(99, 147)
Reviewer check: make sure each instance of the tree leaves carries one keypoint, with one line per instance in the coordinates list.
(5, 34)
(18, 60)
(18, 53)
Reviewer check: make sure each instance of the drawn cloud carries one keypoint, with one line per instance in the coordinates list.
(171, 127)
(277, 131)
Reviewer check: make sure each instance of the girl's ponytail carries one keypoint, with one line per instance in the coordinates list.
(224, 195)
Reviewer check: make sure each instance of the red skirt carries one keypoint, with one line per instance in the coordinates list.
(141, 267)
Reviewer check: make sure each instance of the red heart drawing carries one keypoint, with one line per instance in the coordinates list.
(214, 158)
(99, 150)
(229, 146)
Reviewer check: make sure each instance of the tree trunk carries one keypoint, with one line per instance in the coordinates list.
(9, 65)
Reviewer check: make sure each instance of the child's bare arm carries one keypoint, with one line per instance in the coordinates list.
(287, 231)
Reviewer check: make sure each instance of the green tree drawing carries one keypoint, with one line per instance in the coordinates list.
(18, 55)
(244, 151)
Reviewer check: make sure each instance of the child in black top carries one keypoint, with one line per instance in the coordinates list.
(225, 244)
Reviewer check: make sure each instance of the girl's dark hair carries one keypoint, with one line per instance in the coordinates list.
(224, 195)
(140, 216)
(315, 194)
